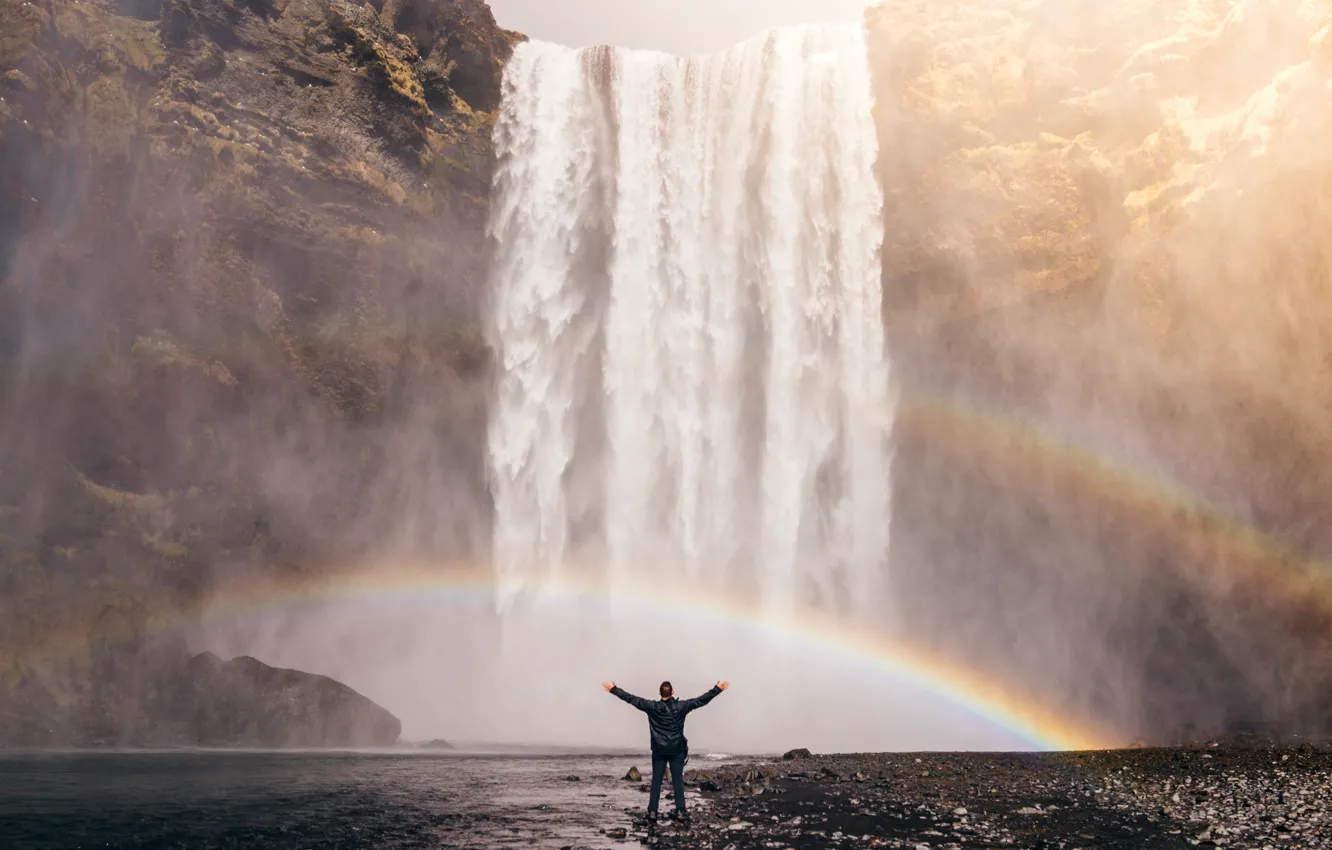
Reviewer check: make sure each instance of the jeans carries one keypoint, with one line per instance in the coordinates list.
(659, 763)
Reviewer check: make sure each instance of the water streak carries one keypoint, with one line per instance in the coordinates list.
(688, 311)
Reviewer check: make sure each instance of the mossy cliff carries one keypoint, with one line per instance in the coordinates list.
(241, 261)
(1106, 273)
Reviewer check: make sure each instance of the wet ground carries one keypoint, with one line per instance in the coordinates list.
(1177, 798)
(283, 801)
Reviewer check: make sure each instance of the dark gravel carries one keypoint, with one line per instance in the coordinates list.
(1148, 798)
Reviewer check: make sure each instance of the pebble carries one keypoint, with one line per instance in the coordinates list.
(1238, 800)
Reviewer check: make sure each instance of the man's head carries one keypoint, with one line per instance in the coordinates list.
(666, 690)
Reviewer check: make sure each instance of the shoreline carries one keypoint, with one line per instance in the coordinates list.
(1126, 799)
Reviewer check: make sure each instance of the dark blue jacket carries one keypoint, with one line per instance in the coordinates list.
(666, 719)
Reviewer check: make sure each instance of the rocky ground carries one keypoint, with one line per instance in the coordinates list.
(1148, 798)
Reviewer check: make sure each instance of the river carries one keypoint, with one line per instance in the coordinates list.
(388, 801)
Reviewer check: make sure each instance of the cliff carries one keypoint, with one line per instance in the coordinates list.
(242, 255)
(1106, 273)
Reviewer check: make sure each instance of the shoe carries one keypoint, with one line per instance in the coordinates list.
(682, 817)
(651, 817)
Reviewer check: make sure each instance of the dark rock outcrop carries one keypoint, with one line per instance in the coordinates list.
(245, 703)
(159, 696)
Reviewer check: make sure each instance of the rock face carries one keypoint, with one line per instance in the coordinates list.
(245, 703)
(242, 256)
(1105, 284)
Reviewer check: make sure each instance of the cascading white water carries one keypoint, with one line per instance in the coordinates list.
(687, 307)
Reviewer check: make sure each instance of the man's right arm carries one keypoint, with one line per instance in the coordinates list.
(637, 702)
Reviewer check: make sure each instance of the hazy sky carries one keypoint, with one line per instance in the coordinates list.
(677, 26)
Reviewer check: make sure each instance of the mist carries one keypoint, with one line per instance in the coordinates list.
(250, 338)
(684, 28)
(1104, 242)
(1135, 607)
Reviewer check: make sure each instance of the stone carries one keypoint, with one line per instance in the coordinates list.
(633, 775)
(799, 753)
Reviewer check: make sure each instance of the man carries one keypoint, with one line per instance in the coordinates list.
(666, 719)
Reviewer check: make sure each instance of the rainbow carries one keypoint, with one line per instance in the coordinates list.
(1230, 554)
(1008, 442)
(982, 697)
(985, 698)
(1227, 552)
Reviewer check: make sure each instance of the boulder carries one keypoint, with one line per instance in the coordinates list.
(633, 775)
(799, 753)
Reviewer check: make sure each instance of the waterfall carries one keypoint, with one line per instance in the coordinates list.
(686, 307)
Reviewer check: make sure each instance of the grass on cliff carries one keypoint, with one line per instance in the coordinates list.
(132, 43)
(390, 68)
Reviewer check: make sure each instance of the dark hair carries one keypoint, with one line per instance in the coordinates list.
(665, 690)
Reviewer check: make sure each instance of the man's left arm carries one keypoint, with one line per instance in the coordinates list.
(699, 702)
